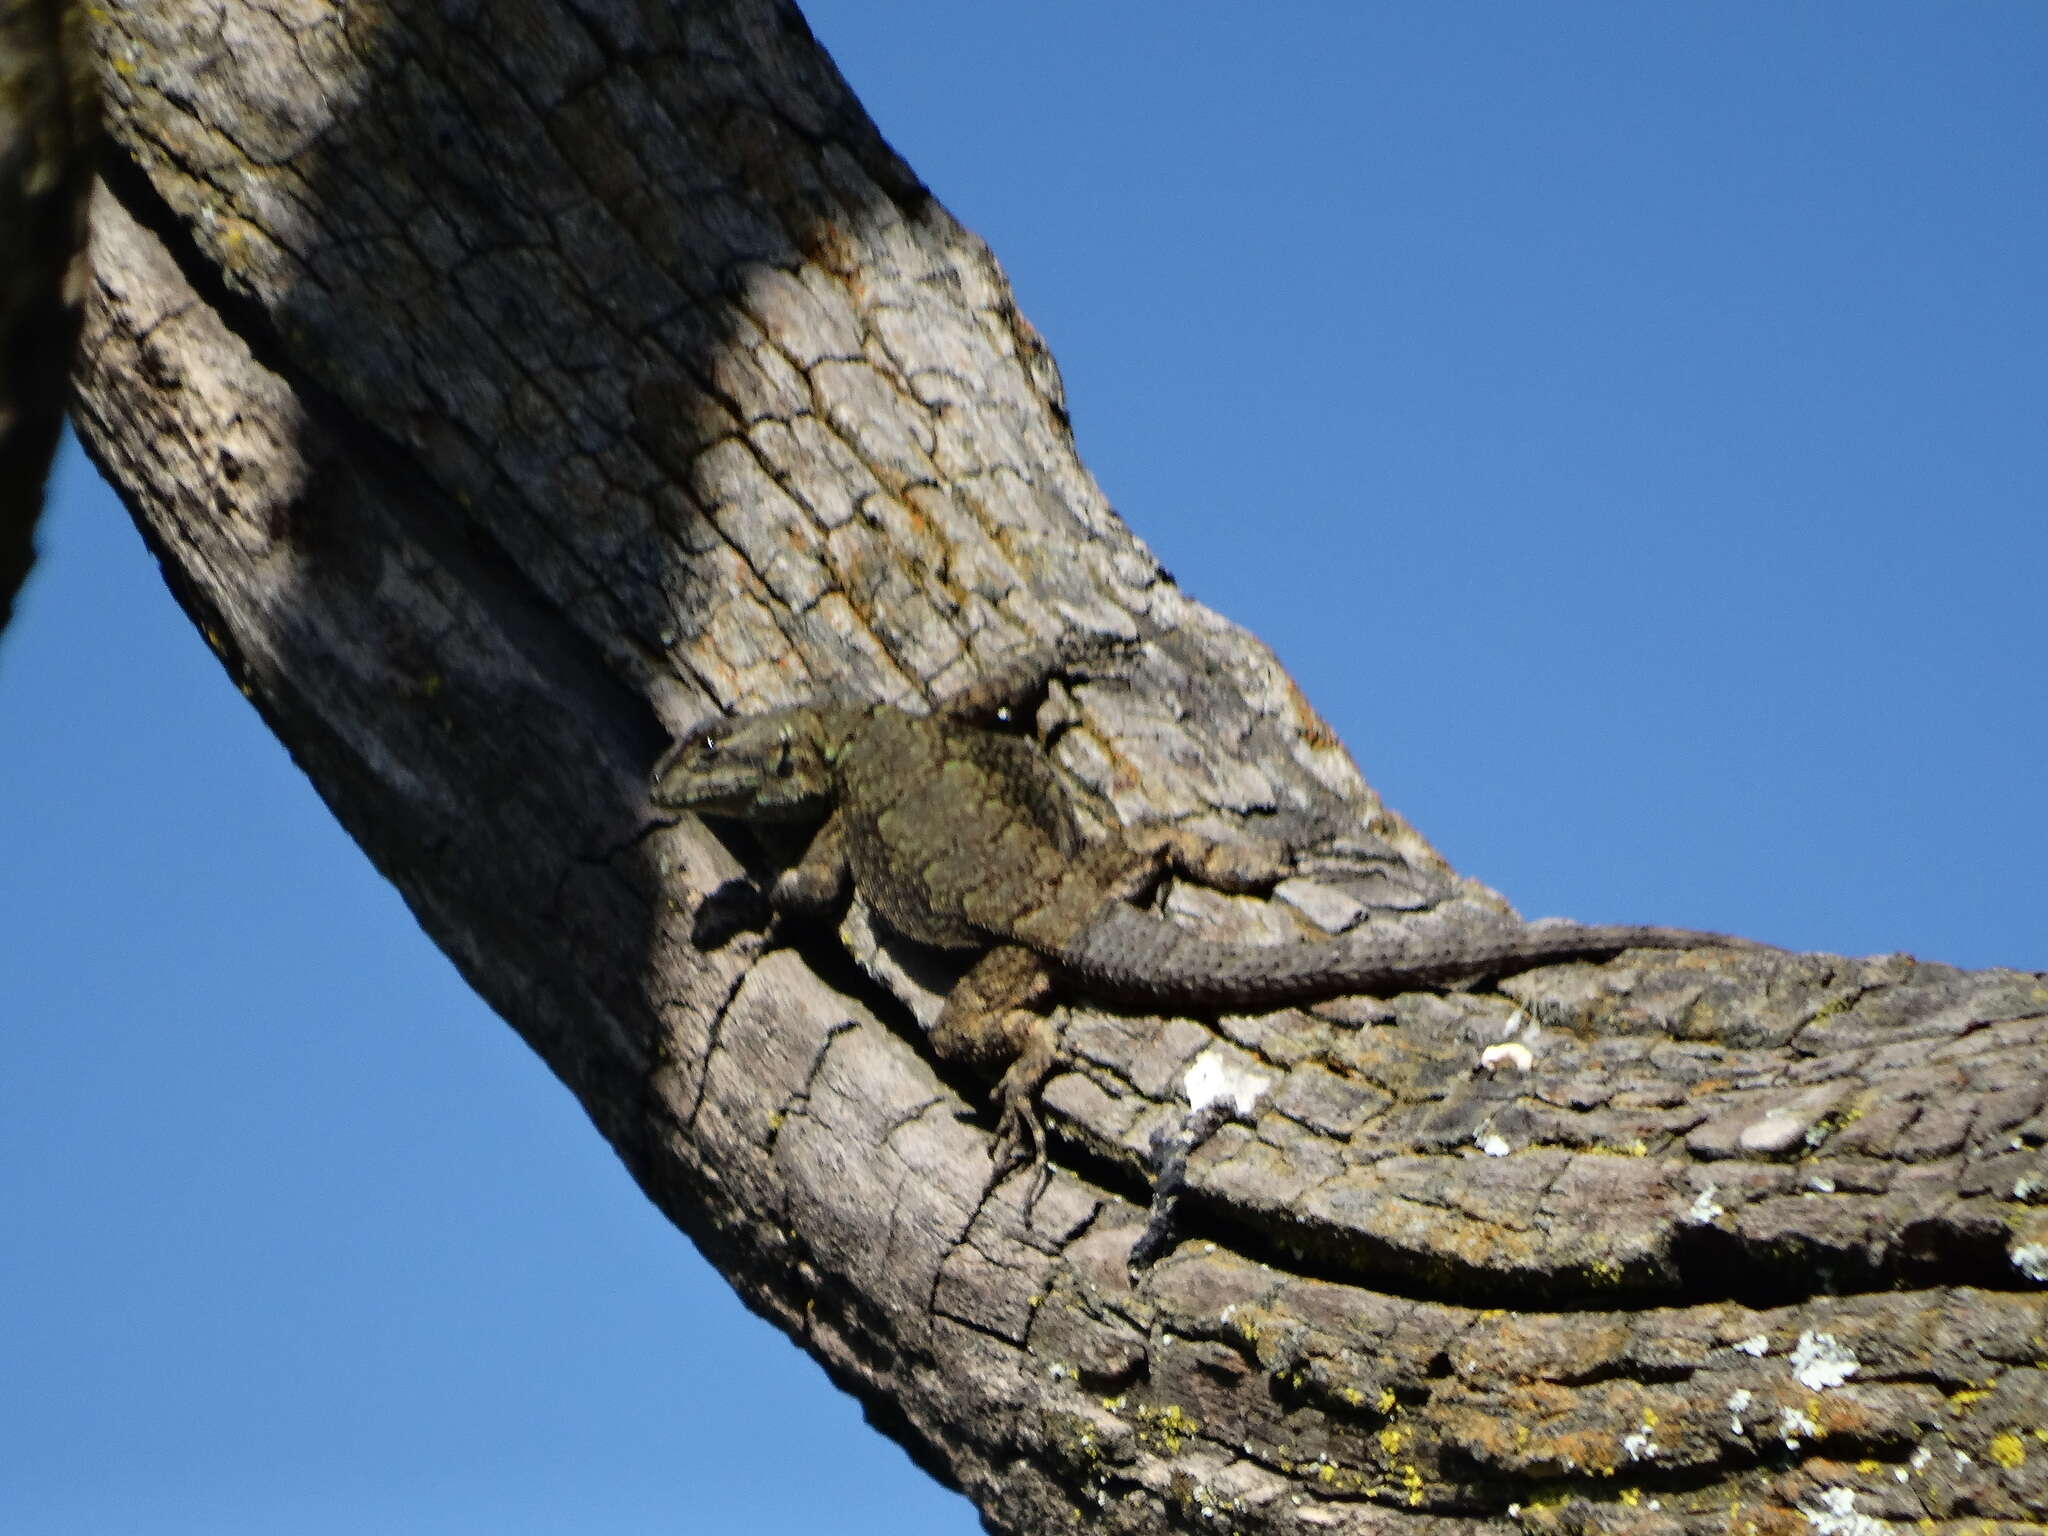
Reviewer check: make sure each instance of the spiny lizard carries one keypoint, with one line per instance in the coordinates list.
(960, 836)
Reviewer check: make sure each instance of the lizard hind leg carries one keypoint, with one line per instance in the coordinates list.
(991, 1023)
(1237, 869)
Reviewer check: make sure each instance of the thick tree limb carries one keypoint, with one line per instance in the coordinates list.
(501, 393)
(48, 132)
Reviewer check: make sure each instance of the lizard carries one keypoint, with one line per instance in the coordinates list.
(962, 836)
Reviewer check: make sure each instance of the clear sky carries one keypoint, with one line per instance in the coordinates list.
(1627, 421)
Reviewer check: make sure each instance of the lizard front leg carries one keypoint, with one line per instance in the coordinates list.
(992, 1024)
(817, 881)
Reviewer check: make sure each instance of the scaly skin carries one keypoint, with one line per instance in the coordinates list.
(961, 837)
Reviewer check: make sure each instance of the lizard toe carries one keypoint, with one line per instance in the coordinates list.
(1020, 1141)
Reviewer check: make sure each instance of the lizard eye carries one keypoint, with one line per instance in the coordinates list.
(707, 745)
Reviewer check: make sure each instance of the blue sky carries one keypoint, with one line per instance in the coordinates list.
(1626, 421)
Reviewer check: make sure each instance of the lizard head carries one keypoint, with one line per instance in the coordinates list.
(772, 767)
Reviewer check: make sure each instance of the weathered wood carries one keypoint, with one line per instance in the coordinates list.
(502, 388)
(48, 132)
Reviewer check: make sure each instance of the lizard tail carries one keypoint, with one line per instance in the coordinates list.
(1134, 957)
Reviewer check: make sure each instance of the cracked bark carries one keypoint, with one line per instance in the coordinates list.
(501, 398)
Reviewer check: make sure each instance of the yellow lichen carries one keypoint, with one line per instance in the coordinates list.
(1166, 1429)
(1336, 1478)
(2008, 1450)
(1411, 1479)
(1074, 1435)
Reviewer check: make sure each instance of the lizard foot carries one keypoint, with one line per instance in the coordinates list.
(1020, 1134)
(1017, 1129)
(988, 1021)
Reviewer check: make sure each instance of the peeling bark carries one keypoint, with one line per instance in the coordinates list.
(500, 394)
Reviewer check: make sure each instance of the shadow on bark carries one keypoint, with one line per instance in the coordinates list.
(503, 389)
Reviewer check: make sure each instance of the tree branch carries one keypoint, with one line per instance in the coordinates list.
(501, 399)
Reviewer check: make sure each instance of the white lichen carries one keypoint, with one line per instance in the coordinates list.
(2031, 1260)
(1835, 1515)
(1794, 1426)
(1820, 1361)
(1214, 1077)
(1513, 1054)
(1738, 1404)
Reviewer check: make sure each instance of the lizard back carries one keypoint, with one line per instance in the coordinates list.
(954, 833)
